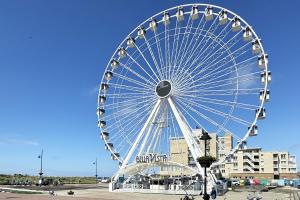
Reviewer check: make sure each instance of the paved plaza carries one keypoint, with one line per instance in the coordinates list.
(103, 194)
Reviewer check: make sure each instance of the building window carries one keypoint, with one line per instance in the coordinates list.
(283, 156)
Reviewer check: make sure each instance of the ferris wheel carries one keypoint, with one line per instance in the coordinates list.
(194, 65)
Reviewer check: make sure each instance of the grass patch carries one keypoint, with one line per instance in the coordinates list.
(22, 192)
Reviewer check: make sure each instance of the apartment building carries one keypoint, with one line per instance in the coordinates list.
(255, 163)
(245, 163)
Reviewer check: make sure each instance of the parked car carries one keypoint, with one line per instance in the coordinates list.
(235, 182)
(247, 182)
(105, 181)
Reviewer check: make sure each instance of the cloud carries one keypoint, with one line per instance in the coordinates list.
(248, 76)
(13, 141)
(294, 146)
(93, 91)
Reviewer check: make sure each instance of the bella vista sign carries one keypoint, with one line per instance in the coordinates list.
(151, 158)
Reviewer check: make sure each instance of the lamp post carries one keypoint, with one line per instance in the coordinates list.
(205, 137)
(41, 167)
(96, 165)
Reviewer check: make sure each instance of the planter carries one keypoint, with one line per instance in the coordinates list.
(206, 161)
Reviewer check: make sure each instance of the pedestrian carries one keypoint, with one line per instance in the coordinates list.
(213, 193)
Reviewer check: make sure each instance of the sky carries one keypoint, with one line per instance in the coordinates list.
(52, 57)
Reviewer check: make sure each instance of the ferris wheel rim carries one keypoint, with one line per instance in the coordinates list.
(187, 5)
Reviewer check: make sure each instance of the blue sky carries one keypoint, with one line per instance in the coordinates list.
(53, 54)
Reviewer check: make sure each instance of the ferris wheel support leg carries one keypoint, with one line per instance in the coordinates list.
(189, 138)
(148, 132)
(139, 137)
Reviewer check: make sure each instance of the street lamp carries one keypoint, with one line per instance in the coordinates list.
(41, 167)
(205, 137)
(96, 165)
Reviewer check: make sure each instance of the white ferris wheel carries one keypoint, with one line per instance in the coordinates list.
(194, 65)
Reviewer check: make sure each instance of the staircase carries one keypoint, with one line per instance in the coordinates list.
(250, 169)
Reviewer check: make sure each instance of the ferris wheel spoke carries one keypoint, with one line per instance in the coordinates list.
(204, 39)
(167, 50)
(246, 63)
(135, 73)
(160, 56)
(152, 140)
(175, 131)
(121, 98)
(241, 78)
(142, 68)
(209, 74)
(125, 95)
(119, 130)
(158, 68)
(228, 45)
(150, 126)
(208, 119)
(217, 112)
(212, 38)
(131, 122)
(125, 112)
(127, 138)
(192, 41)
(133, 81)
(127, 107)
(156, 144)
(226, 72)
(130, 129)
(246, 81)
(128, 111)
(229, 92)
(196, 122)
(225, 60)
(139, 136)
(217, 39)
(186, 107)
(226, 103)
(147, 62)
(126, 103)
(148, 140)
(130, 88)
(184, 40)
(238, 52)
(186, 130)
(174, 46)
(175, 41)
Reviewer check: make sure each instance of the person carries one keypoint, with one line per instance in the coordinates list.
(249, 197)
(259, 195)
(213, 193)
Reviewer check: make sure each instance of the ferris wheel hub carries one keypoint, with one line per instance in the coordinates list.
(163, 89)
